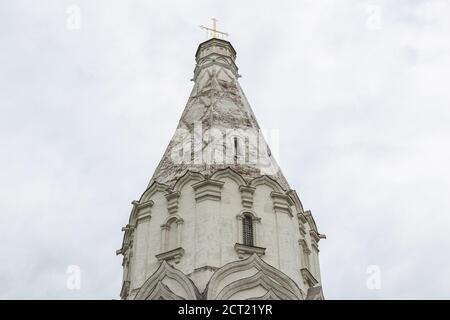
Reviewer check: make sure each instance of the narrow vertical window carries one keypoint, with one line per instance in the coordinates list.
(192, 146)
(172, 235)
(235, 148)
(247, 229)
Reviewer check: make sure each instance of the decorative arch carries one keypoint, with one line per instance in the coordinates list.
(152, 190)
(229, 173)
(155, 288)
(294, 196)
(255, 221)
(224, 70)
(162, 292)
(270, 295)
(174, 216)
(187, 177)
(266, 180)
(133, 215)
(249, 212)
(258, 279)
(221, 59)
(172, 221)
(266, 276)
(311, 222)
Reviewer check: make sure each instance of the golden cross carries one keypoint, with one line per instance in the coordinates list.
(214, 32)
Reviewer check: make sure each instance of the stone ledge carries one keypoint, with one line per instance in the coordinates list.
(281, 203)
(174, 254)
(208, 190)
(247, 196)
(243, 250)
(308, 277)
(172, 201)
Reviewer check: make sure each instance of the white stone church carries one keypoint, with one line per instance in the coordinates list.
(218, 219)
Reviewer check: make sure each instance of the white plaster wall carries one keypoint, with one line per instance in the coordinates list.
(230, 207)
(141, 246)
(147, 241)
(210, 231)
(263, 206)
(186, 210)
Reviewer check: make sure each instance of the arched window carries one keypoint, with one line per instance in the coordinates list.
(171, 234)
(247, 230)
(171, 239)
(248, 240)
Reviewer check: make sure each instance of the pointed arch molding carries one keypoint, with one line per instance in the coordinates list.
(268, 277)
(270, 295)
(187, 177)
(268, 181)
(152, 190)
(154, 288)
(231, 174)
(258, 279)
(162, 292)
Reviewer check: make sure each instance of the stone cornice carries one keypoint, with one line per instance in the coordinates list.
(308, 277)
(247, 196)
(301, 218)
(128, 227)
(208, 190)
(281, 203)
(294, 196)
(243, 250)
(312, 223)
(314, 236)
(143, 217)
(142, 211)
(127, 239)
(174, 254)
(143, 205)
(301, 223)
(216, 42)
(172, 201)
(215, 52)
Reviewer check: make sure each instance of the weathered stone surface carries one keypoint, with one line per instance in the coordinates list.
(217, 103)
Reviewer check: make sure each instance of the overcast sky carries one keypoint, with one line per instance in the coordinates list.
(359, 92)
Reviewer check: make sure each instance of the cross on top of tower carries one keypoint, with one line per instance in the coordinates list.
(214, 32)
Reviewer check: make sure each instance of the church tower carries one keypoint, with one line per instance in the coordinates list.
(218, 219)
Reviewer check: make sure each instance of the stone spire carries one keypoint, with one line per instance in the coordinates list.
(218, 128)
(218, 219)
